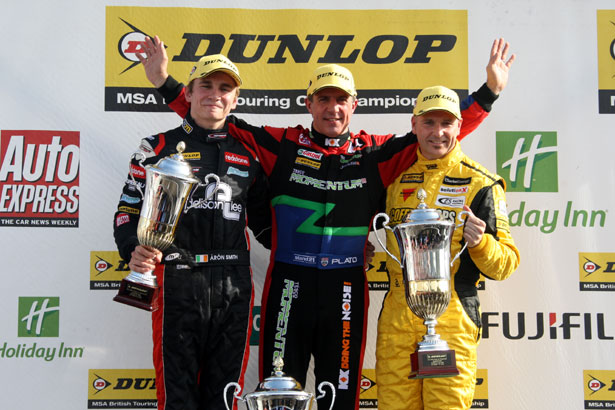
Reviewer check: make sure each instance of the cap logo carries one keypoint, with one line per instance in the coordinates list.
(446, 97)
(332, 73)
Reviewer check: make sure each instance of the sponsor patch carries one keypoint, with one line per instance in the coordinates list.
(191, 155)
(129, 210)
(451, 201)
(317, 156)
(305, 140)
(187, 127)
(454, 190)
(456, 181)
(307, 162)
(407, 193)
(136, 171)
(332, 142)
(172, 256)
(217, 136)
(412, 178)
(502, 208)
(235, 171)
(121, 219)
(236, 159)
(129, 199)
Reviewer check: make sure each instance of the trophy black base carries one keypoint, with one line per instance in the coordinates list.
(436, 363)
(139, 295)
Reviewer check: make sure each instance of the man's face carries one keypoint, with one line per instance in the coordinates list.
(331, 110)
(437, 133)
(211, 99)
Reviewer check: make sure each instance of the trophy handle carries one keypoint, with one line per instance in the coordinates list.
(462, 222)
(385, 225)
(235, 393)
(216, 187)
(323, 393)
(140, 157)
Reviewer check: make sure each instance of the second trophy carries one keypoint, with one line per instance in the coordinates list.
(424, 241)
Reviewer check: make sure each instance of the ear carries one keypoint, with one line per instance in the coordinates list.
(413, 121)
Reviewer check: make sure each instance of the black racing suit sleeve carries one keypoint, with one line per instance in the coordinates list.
(483, 96)
(259, 211)
(127, 214)
(170, 90)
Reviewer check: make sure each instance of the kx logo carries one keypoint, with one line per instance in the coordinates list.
(528, 160)
(39, 317)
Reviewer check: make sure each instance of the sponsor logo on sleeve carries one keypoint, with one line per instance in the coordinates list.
(236, 159)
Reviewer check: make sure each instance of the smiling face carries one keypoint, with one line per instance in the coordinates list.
(331, 110)
(211, 99)
(436, 132)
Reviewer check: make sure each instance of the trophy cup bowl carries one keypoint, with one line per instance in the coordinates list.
(424, 241)
(278, 392)
(167, 186)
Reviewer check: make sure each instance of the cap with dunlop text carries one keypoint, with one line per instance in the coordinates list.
(210, 64)
(332, 75)
(437, 98)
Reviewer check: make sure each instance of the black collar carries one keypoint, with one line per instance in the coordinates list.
(327, 142)
(194, 131)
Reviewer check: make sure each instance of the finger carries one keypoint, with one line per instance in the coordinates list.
(505, 50)
(510, 60)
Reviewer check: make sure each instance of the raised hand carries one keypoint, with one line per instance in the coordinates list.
(155, 61)
(498, 67)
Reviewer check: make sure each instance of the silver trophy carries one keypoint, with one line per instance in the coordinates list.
(424, 242)
(167, 186)
(278, 392)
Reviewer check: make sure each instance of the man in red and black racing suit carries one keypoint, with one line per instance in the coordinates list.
(326, 185)
(201, 330)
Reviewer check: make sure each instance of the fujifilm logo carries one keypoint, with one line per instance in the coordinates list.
(39, 317)
(528, 161)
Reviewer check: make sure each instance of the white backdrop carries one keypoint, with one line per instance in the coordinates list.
(53, 79)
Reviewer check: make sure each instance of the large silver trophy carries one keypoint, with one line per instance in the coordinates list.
(424, 242)
(278, 392)
(167, 186)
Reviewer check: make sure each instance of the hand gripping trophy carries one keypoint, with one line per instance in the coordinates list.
(424, 241)
(167, 186)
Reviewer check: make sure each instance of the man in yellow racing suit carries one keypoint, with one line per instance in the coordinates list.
(453, 183)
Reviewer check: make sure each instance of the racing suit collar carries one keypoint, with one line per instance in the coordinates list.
(194, 131)
(326, 142)
(447, 161)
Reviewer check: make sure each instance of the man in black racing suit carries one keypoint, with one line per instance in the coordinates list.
(326, 184)
(201, 330)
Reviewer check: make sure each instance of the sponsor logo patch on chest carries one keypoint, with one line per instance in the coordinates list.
(236, 159)
(451, 201)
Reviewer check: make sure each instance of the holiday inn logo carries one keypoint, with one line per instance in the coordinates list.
(39, 317)
(527, 160)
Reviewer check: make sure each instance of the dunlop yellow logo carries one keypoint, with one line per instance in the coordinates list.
(606, 61)
(368, 396)
(393, 56)
(599, 388)
(121, 388)
(597, 271)
(107, 269)
(377, 274)
(481, 393)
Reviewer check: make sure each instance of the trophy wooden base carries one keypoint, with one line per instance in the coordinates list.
(139, 295)
(437, 363)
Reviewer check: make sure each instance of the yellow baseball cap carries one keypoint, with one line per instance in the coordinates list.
(210, 64)
(437, 98)
(332, 75)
